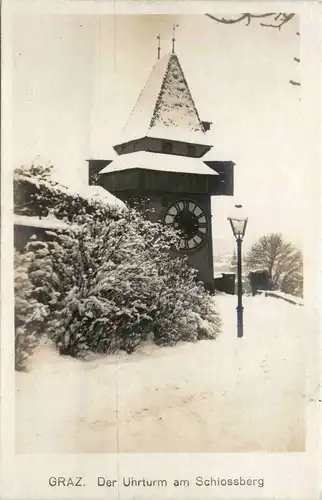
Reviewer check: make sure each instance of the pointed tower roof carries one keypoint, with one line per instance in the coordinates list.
(165, 107)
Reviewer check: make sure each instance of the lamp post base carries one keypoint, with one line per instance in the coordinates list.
(240, 326)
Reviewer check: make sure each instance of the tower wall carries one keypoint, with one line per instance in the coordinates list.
(200, 258)
(156, 145)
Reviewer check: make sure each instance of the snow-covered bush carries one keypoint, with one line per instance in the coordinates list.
(185, 311)
(30, 313)
(36, 193)
(111, 285)
(108, 282)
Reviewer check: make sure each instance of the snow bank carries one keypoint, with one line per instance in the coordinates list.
(223, 395)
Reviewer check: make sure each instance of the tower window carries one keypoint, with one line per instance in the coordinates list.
(167, 147)
(192, 150)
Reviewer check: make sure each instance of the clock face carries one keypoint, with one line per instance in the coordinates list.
(189, 218)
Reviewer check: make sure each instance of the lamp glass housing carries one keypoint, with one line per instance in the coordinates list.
(238, 226)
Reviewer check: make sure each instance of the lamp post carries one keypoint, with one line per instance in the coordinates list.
(238, 225)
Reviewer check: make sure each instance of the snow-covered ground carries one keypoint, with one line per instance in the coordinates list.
(225, 395)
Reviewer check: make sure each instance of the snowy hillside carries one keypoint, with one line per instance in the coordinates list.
(224, 395)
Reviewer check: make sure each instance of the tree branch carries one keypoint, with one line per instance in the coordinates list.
(230, 21)
(279, 19)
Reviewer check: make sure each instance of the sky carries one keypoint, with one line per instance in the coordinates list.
(76, 78)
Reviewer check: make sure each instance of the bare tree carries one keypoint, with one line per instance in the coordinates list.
(281, 260)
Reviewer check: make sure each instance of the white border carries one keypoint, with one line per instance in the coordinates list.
(292, 475)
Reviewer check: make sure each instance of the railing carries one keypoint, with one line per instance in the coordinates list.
(281, 295)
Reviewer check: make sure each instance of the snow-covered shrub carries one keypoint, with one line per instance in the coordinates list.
(109, 281)
(36, 193)
(30, 313)
(110, 285)
(185, 311)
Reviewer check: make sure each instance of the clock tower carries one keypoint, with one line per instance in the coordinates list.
(161, 158)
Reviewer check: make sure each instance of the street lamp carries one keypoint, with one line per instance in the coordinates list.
(238, 225)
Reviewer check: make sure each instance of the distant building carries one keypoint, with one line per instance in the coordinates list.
(225, 282)
(259, 280)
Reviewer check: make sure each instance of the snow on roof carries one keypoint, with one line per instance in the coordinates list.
(140, 117)
(98, 193)
(49, 222)
(165, 105)
(159, 161)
